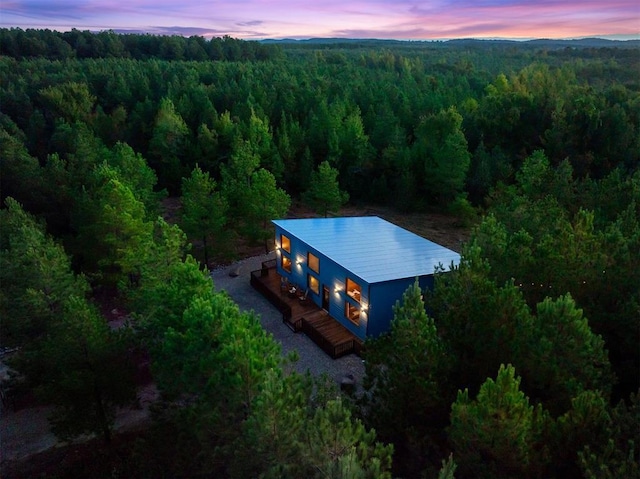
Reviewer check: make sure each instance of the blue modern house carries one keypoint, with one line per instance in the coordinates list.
(356, 268)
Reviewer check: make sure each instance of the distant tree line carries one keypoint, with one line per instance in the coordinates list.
(54, 45)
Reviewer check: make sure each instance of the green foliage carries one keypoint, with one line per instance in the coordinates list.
(406, 374)
(260, 137)
(341, 447)
(70, 355)
(132, 169)
(441, 148)
(167, 145)
(617, 456)
(203, 210)
(448, 469)
(398, 122)
(271, 441)
(482, 323)
(586, 424)
(36, 276)
(569, 358)
(114, 231)
(538, 235)
(324, 194)
(494, 434)
(86, 375)
(287, 437)
(166, 289)
(21, 173)
(71, 101)
(462, 209)
(264, 201)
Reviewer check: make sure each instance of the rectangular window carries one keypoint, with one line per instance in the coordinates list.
(313, 262)
(353, 290)
(286, 263)
(285, 244)
(352, 313)
(313, 283)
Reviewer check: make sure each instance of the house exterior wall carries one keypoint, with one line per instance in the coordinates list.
(384, 297)
(331, 275)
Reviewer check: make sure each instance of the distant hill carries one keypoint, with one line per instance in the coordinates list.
(538, 43)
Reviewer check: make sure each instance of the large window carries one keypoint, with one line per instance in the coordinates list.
(313, 283)
(285, 243)
(286, 263)
(352, 312)
(353, 290)
(313, 262)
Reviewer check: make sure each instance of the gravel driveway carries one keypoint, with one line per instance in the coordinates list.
(312, 358)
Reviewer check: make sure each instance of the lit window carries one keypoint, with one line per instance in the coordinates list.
(285, 243)
(352, 313)
(313, 262)
(286, 263)
(313, 283)
(353, 290)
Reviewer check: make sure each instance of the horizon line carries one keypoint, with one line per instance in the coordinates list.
(134, 31)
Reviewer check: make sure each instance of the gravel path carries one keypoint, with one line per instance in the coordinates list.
(312, 358)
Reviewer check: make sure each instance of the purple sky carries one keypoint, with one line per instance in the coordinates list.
(399, 19)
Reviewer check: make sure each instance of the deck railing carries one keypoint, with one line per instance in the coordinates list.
(271, 296)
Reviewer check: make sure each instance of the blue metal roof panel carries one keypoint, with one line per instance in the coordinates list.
(370, 247)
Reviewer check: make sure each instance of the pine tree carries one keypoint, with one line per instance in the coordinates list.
(340, 447)
(167, 145)
(264, 202)
(569, 358)
(36, 276)
(203, 209)
(114, 230)
(324, 194)
(86, 374)
(406, 373)
(494, 434)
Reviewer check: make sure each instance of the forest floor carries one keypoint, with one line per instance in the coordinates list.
(28, 448)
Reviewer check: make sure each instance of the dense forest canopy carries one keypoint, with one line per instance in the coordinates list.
(519, 367)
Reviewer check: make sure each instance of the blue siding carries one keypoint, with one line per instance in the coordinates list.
(384, 297)
(331, 275)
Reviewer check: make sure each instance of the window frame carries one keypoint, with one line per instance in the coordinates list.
(351, 284)
(284, 240)
(347, 310)
(309, 278)
(309, 262)
(282, 263)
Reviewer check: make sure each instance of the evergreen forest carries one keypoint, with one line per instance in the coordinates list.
(132, 164)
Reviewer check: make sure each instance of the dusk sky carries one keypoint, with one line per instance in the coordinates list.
(399, 19)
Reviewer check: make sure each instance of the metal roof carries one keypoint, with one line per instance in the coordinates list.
(371, 248)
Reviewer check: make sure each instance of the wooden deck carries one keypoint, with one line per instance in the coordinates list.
(333, 338)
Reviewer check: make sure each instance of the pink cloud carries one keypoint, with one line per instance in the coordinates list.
(363, 19)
